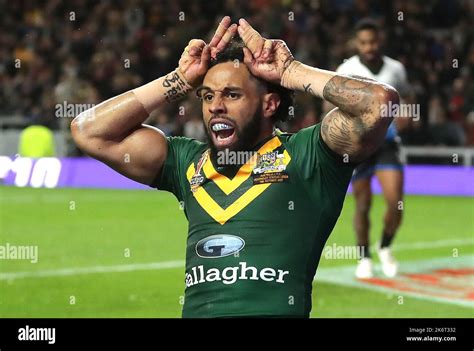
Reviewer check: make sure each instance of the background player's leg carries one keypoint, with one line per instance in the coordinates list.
(363, 200)
(391, 181)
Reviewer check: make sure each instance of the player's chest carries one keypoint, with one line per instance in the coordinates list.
(215, 194)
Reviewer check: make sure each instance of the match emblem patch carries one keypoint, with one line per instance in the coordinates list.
(270, 168)
(197, 179)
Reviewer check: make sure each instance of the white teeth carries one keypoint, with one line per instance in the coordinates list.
(221, 126)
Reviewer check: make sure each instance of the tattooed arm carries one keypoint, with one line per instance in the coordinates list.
(355, 127)
(112, 131)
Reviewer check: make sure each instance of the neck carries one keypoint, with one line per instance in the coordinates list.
(267, 131)
(372, 63)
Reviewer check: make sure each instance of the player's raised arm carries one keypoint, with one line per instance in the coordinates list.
(112, 131)
(355, 127)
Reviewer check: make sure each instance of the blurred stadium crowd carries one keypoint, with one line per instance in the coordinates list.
(84, 51)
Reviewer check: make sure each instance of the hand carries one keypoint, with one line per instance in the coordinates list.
(196, 56)
(223, 35)
(265, 58)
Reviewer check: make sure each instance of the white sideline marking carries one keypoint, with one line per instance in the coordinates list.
(344, 276)
(91, 270)
(431, 244)
(62, 272)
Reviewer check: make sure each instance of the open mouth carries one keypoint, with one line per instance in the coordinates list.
(223, 132)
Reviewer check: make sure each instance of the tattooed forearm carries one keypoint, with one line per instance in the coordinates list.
(352, 136)
(353, 95)
(307, 88)
(176, 87)
(355, 127)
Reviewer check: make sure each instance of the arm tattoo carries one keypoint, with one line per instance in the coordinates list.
(308, 89)
(353, 95)
(355, 128)
(338, 131)
(176, 87)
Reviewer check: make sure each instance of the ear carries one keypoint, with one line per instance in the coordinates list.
(271, 101)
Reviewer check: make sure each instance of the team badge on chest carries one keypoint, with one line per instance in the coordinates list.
(270, 168)
(197, 179)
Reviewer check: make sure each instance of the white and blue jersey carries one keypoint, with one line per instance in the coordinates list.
(392, 132)
(392, 72)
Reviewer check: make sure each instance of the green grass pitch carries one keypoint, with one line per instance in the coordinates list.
(76, 228)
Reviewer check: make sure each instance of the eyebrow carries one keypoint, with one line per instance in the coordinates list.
(203, 87)
(206, 89)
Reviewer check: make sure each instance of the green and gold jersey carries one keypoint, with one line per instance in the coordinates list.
(256, 231)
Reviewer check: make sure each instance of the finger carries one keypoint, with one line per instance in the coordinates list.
(205, 58)
(248, 57)
(194, 47)
(229, 34)
(196, 43)
(194, 51)
(267, 49)
(251, 38)
(244, 24)
(220, 31)
(214, 52)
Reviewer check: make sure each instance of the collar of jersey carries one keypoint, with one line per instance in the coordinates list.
(205, 200)
(229, 185)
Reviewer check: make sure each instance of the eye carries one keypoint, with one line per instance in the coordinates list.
(208, 97)
(232, 95)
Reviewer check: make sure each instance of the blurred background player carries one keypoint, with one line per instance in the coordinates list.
(385, 163)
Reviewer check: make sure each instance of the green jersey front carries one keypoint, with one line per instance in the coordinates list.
(256, 231)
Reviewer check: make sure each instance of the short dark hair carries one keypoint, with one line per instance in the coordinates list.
(234, 51)
(367, 24)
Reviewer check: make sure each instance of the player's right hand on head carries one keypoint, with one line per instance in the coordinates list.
(195, 59)
(266, 58)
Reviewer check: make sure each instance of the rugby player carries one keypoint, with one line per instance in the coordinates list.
(256, 230)
(385, 163)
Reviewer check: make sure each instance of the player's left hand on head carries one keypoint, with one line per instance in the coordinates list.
(196, 57)
(265, 58)
(224, 33)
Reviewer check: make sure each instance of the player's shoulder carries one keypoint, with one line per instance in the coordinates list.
(185, 147)
(301, 137)
(348, 64)
(309, 149)
(392, 63)
(185, 141)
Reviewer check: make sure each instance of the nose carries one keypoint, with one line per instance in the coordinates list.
(217, 105)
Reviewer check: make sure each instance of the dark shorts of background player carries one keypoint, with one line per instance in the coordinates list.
(386, 157)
